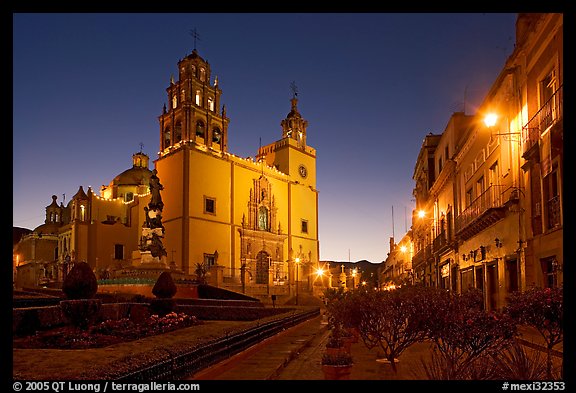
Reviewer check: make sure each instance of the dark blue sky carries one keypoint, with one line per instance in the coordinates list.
(88, 89)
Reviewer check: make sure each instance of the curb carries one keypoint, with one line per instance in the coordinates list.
(294, 354)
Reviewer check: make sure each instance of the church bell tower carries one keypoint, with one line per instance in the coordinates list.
(193, 114)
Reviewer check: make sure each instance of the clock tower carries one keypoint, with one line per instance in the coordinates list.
(291, 155)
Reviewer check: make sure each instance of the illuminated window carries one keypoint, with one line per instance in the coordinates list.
(82, 213)
(197, 97)
(182, 95)
(211, 103)
(202, 74)
(174, 101)
(209, 205)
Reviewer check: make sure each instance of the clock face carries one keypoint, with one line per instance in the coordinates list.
(302, 171)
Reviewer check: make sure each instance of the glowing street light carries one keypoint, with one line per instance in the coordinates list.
(421, 214)
(403, 248)
(490, 119)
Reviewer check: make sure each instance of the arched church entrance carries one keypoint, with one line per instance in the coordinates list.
(262, 267)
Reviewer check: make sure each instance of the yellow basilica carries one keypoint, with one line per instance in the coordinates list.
(253, 223)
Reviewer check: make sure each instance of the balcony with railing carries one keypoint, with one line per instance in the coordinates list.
(547, 116)
(488, 208)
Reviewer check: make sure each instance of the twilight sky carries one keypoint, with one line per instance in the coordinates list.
(88, 89)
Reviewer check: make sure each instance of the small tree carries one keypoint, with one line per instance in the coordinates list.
(464, 334)
(542, 309)
(391, 320)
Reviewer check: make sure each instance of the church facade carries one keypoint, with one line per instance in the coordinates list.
(255, 219)
(252, 222)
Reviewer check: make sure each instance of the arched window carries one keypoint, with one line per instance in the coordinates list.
(200, 129)
(178, 132)
(197, 98)
(174, 101)
(262, 267)
(166, 137)
(129, 197)
(182, 95)
(202, 74)
(216, 135)
(211, 103)
(263, 218)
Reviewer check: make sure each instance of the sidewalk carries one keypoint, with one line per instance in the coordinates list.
(296, 354)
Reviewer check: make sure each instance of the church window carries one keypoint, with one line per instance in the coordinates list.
(304, 226)
(263, 218)
(197, 97)
(178, 132)
(209, 260)
(211, 103)
(209, 205)
(202, 74)
(129, 197)
(174, 101)
(118, 251)
(82, 213)
(200, 128)
(182, 95)
(166, 137)
(216, 135)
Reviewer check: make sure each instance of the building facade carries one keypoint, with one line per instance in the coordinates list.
(489, 205)
(252, 222)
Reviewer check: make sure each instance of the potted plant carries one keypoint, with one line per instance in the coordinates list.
(337, 366)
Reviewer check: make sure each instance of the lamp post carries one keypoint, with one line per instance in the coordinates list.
(297, 260)
(491, 121)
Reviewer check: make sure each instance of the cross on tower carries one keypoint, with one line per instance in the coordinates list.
(141, 147)
(195, 35)
(294, 89)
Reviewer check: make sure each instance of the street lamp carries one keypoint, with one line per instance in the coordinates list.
(297, 260)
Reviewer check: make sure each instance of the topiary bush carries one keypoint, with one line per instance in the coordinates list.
(80, 287)
(164, 290)
(80, 283)
(164, 287)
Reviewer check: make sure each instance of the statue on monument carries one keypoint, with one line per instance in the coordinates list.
(155, 187)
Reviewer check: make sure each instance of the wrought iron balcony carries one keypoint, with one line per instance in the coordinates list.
(485, 210)
(547, 116)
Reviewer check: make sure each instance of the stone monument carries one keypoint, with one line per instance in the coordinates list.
(151, 247)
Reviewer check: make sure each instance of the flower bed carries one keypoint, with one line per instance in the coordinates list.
(105, 333)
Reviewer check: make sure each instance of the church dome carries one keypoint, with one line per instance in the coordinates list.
(134, 176)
